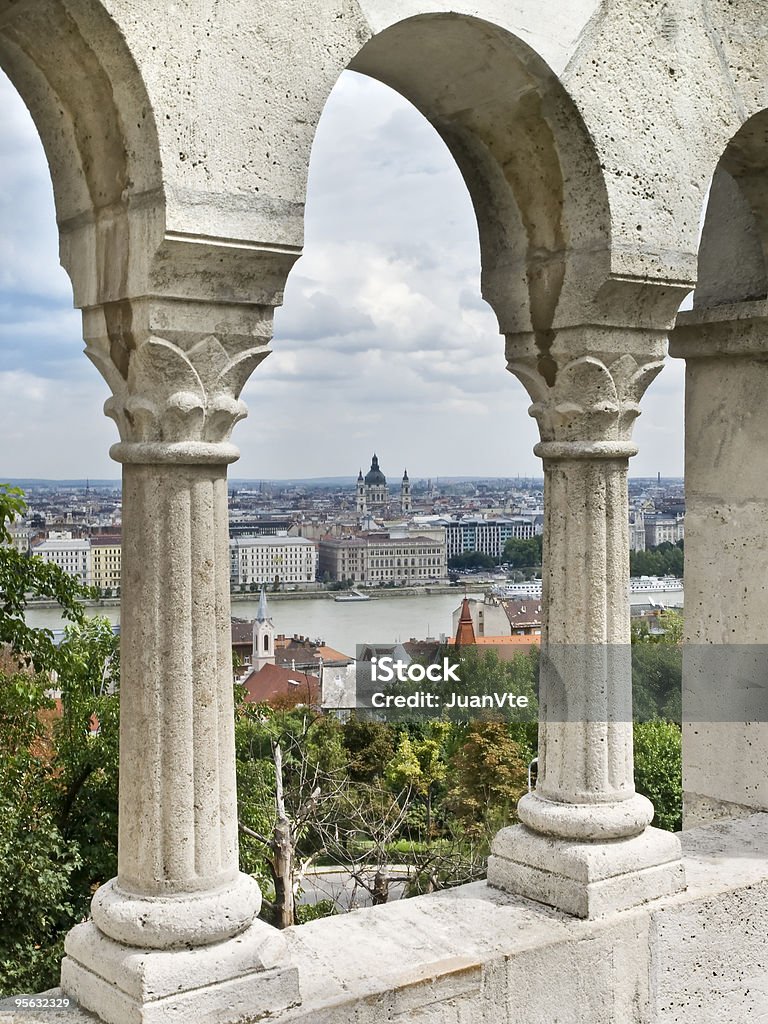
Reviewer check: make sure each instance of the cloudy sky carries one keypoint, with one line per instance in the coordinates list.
(383, 342)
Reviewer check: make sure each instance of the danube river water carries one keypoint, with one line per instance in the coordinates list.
(342, 625)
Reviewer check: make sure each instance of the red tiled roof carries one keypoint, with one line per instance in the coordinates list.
(275, 685)
(507, 647)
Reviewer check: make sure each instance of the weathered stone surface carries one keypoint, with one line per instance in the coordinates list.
(476, 954)
(227, 981)
(725, 702)
(587, 879)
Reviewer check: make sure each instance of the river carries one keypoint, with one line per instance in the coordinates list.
(342, 625)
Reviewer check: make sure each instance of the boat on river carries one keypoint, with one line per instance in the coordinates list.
(353, 595)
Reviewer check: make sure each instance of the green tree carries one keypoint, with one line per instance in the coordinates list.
(665, 559)
(22, 578)
(86, 748)
(471, 560)
(37, 901)
(370, 745)
(657, 669)
(483, 674)
(404, 770)
(659, 771)
(523, 554)
(58, 777)
(488, 775)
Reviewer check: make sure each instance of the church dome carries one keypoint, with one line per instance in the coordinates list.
(374, 476)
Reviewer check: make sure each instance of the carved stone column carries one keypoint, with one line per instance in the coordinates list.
(177, 931)
(584, 845)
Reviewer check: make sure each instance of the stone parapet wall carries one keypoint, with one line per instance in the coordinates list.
(475, 955)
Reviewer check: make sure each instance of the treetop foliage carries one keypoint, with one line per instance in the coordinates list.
(23, 577)
(58, 763)
(664, 560)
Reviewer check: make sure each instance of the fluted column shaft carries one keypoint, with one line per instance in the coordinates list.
(585, 731)
(178, 812)
(178, 800)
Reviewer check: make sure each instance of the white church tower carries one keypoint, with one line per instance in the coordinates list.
(263, 636)
(405, 494)
(361, 504)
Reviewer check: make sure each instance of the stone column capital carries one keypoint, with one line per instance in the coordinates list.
(176, 370)
(586, 384)
(722, 332)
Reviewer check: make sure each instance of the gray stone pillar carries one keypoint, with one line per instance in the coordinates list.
(725, 659)
(585, 845)
(585, 756)
(178, 806)
(177, 931)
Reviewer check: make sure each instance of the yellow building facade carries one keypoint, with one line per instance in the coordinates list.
(106, 558)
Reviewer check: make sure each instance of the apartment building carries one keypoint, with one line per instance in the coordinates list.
(106, 560)
(70, 554)
(378, 558)
(264, 559)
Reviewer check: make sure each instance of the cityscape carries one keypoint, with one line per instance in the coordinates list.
(411, 547)
(308, 535)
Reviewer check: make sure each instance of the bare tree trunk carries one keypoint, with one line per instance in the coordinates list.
(285, 912)
(380, 892)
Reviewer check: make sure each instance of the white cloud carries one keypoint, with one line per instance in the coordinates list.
(54, 429)
(29, 239)
(383, 343)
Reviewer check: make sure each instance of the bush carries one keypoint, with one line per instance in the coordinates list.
(659, 771)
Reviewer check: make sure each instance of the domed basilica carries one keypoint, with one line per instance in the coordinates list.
(373, 493)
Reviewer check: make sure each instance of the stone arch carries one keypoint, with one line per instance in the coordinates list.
(733, 254)
(525, 155)
(73, 69)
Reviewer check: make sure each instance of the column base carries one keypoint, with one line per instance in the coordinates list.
(241, 978)
(586, 879)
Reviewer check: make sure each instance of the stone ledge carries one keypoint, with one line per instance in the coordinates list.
(537, 964)
(475, 955)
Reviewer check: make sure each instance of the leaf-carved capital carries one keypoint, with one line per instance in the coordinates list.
(181, 389)
(587, 390)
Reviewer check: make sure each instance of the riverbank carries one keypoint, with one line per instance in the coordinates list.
(307, 595)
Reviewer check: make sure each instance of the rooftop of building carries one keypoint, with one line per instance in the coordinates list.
(104, 540)
(296, 648)
(374, 476)
(273, 684)
(269, 540)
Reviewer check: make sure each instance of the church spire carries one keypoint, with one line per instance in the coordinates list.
(262, 613)
(405, 494)
(263, 651)
(465, 634)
